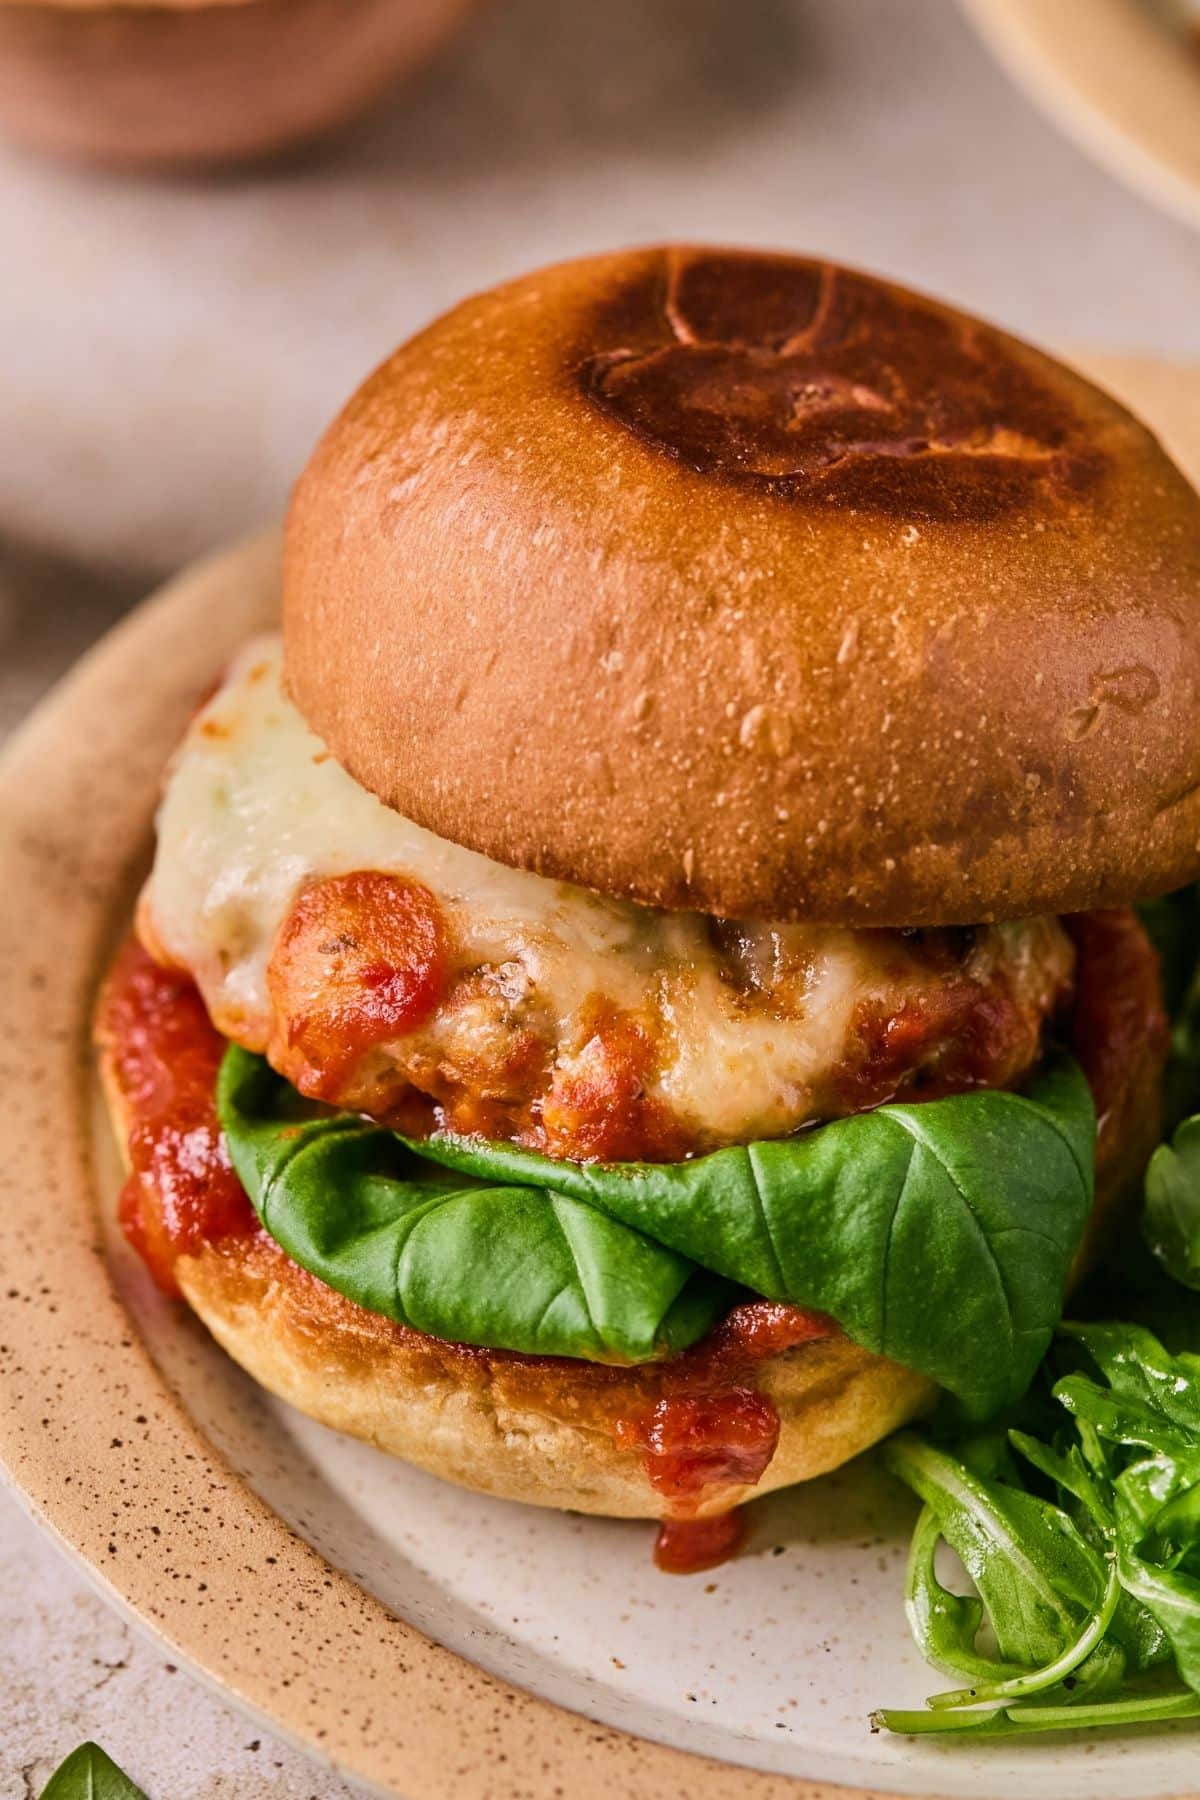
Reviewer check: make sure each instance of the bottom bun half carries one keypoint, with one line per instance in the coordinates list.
(548, 1430)
(539, 1429)
(525, 1428)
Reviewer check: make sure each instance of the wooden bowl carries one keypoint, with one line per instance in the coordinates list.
(1118, 77)
(178, 82)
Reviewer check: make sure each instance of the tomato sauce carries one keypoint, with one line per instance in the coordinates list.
(1118, 1025)
(600, 1111)
(689, 1546)
(182, 1192)
(708, 1434)
(361, 959)
(693, 1447)
(955, 1037)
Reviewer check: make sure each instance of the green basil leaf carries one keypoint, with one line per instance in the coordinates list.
(927, 1231)
(1171, 1220)
(88, 1774)
(508, 1265)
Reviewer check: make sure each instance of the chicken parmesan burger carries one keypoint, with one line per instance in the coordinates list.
(638, 989)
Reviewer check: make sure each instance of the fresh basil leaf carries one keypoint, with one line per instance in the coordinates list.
(1171, 1219)
(927, 1231)
(88, 1774)
(508, 1265)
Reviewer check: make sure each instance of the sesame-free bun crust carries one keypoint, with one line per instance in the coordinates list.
(538, 1429)
(746, 583)
(527, 1429)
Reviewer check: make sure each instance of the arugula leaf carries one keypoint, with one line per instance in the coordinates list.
(1004, 1721)
(944, 1624)
(1089, 1594)
(1145, 1426)
(1037, 1579)
(88, 1774)
(513, 1266)
(926, 1231)
(1171, 1220)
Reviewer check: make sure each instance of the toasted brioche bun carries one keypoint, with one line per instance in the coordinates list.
(538, 1429)
(541, 1431)
(746, 583)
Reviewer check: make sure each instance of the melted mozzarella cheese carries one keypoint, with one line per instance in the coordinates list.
(255, 808)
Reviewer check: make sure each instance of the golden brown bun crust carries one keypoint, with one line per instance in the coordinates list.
(740, 582)
(521, 1427)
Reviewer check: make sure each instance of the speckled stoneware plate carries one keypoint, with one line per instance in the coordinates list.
(1122, 77)
(428, 1642)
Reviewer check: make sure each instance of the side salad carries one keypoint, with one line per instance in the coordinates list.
(1077, 1515)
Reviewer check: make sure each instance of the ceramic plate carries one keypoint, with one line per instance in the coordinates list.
(431, 1643)
(1121, 76)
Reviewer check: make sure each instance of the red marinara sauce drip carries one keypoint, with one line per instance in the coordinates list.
(1118, 1024)
(689, 1546)
(182, 1192)
(360, 959)
(697, 1443)
(713, 1434)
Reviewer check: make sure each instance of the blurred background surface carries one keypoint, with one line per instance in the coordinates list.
(173, 346)
(169, 350)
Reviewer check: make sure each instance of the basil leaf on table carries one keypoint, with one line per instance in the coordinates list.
(939, 1234)
(88, 1774)
(513, 1266)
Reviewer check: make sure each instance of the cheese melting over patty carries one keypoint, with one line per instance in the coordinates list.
(530, 1008)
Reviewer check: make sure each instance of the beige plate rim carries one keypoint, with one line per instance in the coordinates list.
(98, 1446)
(1113, 79)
